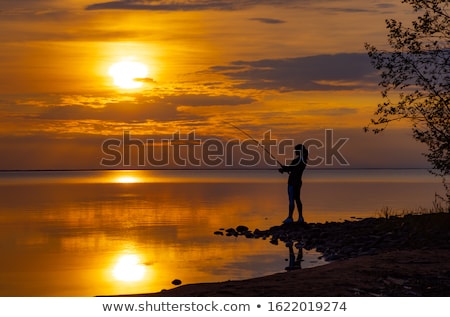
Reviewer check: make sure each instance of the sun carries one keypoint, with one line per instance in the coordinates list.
(126, 73)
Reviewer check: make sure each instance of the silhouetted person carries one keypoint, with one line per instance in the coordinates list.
(295, 170)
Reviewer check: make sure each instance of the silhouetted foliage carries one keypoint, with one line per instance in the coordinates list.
(415, 78)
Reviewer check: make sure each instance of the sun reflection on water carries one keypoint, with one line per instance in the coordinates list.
(126, 179)
(129, 269)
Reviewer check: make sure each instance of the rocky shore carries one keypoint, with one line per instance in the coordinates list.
(393, 256)
(349, 239)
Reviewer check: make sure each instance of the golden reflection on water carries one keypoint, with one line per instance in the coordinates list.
(129, 268)
(136, 231)
(126, 179)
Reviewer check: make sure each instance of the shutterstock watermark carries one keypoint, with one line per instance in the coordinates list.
(190, 151)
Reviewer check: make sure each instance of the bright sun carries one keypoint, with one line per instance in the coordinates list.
(125, 73)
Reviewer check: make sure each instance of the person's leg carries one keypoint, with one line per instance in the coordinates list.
(300, 211)
(291, 200)
(298, 201)
(291, 204)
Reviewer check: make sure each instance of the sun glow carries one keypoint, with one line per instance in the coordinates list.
(126, 179)
(126, 74)
(129, 269)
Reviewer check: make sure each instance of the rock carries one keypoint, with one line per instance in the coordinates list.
(258, 233)
(176, 282)
(249, 235)
(241, 229)
(342, 240)
(231, 232)
(218, 233)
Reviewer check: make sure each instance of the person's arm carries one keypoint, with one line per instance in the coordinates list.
(283, 169)
(295, 164)
(287, 168)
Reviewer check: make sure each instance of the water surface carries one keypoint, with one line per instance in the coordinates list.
(87, 233)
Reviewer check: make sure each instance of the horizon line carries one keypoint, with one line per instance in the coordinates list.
(206, 169)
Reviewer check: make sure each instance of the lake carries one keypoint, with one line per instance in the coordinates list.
(87, 233)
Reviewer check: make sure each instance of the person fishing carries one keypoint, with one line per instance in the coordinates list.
(295, 170)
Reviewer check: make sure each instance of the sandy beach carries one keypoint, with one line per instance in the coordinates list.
(394, 256)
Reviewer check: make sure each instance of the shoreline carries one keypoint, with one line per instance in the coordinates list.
(392, 256)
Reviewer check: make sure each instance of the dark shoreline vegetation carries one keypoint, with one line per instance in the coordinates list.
(406, 255)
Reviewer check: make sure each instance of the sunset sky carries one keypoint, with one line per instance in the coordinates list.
(294, 67)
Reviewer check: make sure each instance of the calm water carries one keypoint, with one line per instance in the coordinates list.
(117, 232)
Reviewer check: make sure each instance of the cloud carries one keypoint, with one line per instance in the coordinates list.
(268, 20)
(43, 150)
(161, 5)
(232, 5)
(386, 5)
(204, 100)
(200, 5)
(138, 109)
(145, 80)
(321, 72)
(119, 112)
(342, 111)
(349, 10)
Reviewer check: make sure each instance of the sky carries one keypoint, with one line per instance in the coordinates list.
(296, 68)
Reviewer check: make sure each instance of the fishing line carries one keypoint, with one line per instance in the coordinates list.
(258, 143)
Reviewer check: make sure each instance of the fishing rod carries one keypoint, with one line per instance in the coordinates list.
(258, 143)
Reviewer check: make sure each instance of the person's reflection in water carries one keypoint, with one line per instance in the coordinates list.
(295, 262)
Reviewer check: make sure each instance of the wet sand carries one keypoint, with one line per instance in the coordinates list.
(398, 256)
